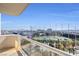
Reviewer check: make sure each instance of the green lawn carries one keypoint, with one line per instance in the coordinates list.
(25, 42)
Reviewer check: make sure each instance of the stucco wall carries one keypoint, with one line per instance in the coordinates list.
(9, 41)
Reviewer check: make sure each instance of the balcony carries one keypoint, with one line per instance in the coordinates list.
(16, 45)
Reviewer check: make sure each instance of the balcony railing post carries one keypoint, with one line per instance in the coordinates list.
(30, 49)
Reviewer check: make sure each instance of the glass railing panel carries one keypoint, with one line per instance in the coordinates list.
(39, 49)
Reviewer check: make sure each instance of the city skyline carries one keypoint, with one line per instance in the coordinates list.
(43, 16)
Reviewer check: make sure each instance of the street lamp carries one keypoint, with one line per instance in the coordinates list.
(68, 30)
(75, 38)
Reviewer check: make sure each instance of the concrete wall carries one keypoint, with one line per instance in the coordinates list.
(9, 41)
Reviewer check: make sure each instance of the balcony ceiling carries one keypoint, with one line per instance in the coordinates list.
(12, 8)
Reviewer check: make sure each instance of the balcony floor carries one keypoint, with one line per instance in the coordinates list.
(8, 52)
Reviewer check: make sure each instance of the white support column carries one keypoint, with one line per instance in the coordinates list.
(0, 23)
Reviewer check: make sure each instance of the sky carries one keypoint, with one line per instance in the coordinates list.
(43, 16)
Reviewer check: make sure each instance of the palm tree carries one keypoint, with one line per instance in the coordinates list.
(69, 45)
